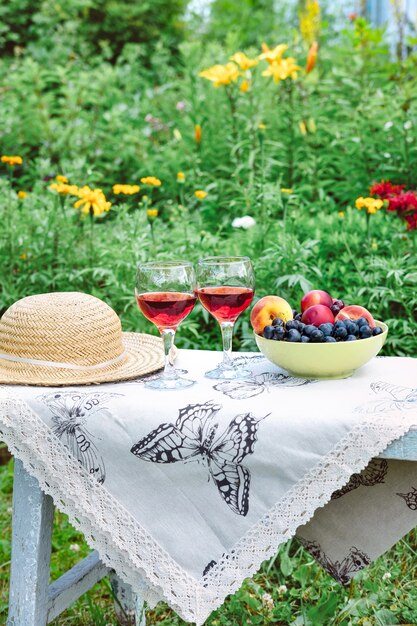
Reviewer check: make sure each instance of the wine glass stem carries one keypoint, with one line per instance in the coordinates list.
(227, 334)
(168, 335)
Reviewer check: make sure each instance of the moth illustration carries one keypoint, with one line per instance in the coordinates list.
(250, 387)
(373, 474)
(410, 498)
(342, 571)
(395, 397)
(194, 437)
(70, 412)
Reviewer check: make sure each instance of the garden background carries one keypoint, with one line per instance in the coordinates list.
(109, 106)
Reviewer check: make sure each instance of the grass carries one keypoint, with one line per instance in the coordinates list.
(310, 596)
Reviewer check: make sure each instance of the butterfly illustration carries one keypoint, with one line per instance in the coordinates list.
(70, 412)
(395, 397)
(194, 437)
(410, 498)
(342, 571)
(373, 474)
(250, 387)
(248, 359)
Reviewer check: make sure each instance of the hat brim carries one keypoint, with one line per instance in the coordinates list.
(144, 355)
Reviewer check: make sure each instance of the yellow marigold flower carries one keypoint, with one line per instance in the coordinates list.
(197, 133)
(151, 181)
(64, 188)
(127, 190)
(312, 57)
(244, 62)
(283, 69)
(221, 75)
(285, 190)
(22, 195)
(273, 55)
(61, 179)
(244, 86)
(200, 194)
(181, 177)
(92, 201)
(152, 213)
(23, 256)
(303, 128)
(12, 160)
(341, 214)
(262, 127)
(372, 205)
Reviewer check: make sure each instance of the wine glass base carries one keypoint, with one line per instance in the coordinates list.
(167, 383)
(223, 373)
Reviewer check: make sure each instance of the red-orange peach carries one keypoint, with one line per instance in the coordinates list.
(317, 314)
(267, 309)
(354, 312)
(316, 297)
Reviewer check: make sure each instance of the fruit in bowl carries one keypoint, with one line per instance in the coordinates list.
(355, 335)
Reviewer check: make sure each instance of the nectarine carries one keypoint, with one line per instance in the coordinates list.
(354, 312)
(267, 309)
(317, 314)
(316, 296)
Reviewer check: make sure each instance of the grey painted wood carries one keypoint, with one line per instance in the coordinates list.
(128, 606)
(404, 449)
(74, 583)
(32, 601)
(33, 513)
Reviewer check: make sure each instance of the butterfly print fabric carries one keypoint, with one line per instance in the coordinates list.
(195, 437)
(342, 570)
(374, 474)
(70, 415)
(257, 384)
(185, 493)
(390, 398)
(410, 498)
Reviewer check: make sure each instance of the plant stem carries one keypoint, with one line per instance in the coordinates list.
(91, 245)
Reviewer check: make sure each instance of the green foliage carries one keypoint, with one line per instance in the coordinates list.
(130, 111)
(84, 27)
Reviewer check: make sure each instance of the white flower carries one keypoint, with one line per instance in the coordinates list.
(243, 222)
(74, 547)
(282, 589)
(388, 125)
(268, 601)
(386, 576)
(387, 155)
(408, 124)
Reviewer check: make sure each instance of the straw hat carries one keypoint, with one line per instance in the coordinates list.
(71, 339)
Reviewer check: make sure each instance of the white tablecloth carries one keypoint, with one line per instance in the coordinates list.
(184, 493)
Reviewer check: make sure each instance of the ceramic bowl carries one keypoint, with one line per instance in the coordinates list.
(322, 360)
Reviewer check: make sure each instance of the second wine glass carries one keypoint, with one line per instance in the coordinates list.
(225, 287)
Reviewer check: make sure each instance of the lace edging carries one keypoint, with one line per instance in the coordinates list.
(136, 557)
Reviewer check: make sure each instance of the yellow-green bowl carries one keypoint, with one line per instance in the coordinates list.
(322, 360)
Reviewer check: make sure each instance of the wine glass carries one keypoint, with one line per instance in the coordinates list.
(225, 287)
(166, 294)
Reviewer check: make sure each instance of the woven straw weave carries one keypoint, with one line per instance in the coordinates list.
(72, 328)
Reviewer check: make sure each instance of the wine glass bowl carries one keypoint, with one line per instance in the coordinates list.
(166, 294)
(225, 288)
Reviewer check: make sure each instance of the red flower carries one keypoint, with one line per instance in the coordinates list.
(385, 189)
(403, 203)
(411, 221)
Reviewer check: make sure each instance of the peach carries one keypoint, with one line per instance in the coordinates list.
(354, 312)
(267, 309)
(317, 314)
(316, 297)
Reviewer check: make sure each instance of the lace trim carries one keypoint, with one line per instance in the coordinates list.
(125, 546)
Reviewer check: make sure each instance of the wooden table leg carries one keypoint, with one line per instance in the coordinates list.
(128, 606)
(33, 513)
